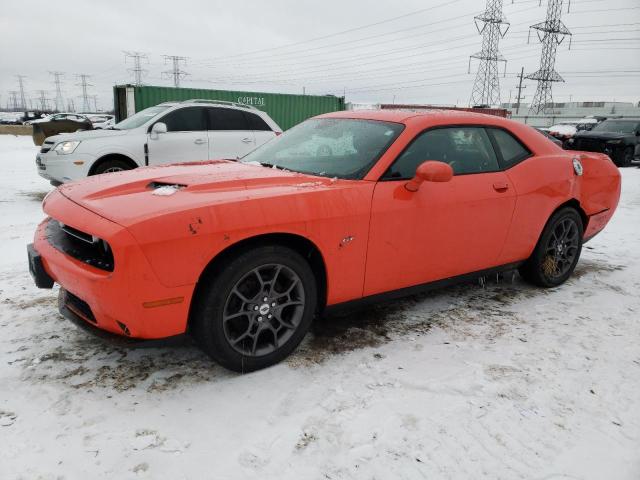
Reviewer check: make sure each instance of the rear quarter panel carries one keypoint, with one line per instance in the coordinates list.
(542, 183)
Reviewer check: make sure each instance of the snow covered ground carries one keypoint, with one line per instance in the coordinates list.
(501, 382)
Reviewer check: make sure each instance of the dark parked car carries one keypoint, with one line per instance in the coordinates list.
(618, 138)
(550, 137)
(59, 123)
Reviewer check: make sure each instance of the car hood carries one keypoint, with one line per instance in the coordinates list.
(86, 135)
(601, 135)
(137, 195)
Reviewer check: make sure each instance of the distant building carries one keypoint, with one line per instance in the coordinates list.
(567, 111)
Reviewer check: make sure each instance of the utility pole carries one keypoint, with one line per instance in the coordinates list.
(57, 76)
(23, 101)
(137, 70)
(85, 94)
(44, 101)
(175, 72)
(486, 88)
(520, 87)
(551, 33)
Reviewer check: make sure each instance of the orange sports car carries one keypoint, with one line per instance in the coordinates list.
(343, 208)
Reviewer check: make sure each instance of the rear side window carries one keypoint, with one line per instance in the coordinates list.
(466, 149)
(256, 122)
(510, 149)
(227, 119)
(185, 120)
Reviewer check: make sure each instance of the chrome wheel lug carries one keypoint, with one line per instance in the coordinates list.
(256, 308)
(265, 299)
(269, 316)
(259, 319)
(273, 304)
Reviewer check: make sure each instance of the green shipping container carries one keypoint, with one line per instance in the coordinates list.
(286, 109)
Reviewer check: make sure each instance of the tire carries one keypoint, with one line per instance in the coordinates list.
(627, 157)
(112, 165)
(557, 252)
(233, 323)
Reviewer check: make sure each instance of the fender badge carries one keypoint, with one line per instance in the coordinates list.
(577, 166)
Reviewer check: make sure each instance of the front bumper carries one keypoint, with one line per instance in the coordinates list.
(127, 301)
(63, 168)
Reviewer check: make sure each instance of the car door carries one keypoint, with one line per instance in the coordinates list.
(262, 132)
(185, 139)
(444, 229)
(229, 134)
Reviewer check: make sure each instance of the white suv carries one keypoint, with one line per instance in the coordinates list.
(171, 132)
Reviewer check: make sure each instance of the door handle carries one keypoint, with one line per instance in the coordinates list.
(246, 140)
(199, 141)
(501, 186)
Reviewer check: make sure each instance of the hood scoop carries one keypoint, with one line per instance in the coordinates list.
(165, 189)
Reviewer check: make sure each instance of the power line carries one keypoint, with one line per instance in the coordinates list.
(175, 72)
(343, 32)
(137, 70)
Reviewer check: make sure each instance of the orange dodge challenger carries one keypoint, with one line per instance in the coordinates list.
(344, 207)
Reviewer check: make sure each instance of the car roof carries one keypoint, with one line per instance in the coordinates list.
(403, 116)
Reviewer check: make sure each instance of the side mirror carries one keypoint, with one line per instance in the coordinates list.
(637, 133)
(430, 171)
(159, 128)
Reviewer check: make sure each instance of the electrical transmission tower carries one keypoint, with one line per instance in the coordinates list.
(57, 76)
(486, 88)
(175, 72)
(137, 70)
(70, 106)
(86, 106)
(95, 103)
(44, 101)
(551, 33)
(12, 102)
(23, 100)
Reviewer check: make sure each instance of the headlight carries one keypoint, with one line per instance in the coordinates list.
(65, 148)
(615, 142)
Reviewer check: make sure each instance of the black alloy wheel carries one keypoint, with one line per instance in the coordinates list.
(253, 309)
(558, 250)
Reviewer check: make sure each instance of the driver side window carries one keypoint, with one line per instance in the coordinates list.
(466, 149)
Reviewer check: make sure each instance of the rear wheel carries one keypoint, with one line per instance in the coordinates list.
(558, 250)
(257, 309)
(112, 165)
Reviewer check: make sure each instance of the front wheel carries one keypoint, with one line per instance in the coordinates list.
(113, 165)
(557, 252)
(256, 309)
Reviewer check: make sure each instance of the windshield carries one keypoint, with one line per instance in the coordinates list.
(140, 118)
(330, 147)
(618, 126)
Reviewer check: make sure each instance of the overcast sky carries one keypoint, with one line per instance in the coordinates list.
(285, 46)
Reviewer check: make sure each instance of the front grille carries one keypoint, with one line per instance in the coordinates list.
(80, 245)
(79, 307)
(46, 146)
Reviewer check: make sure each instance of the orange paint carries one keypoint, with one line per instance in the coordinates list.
(437, 228)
